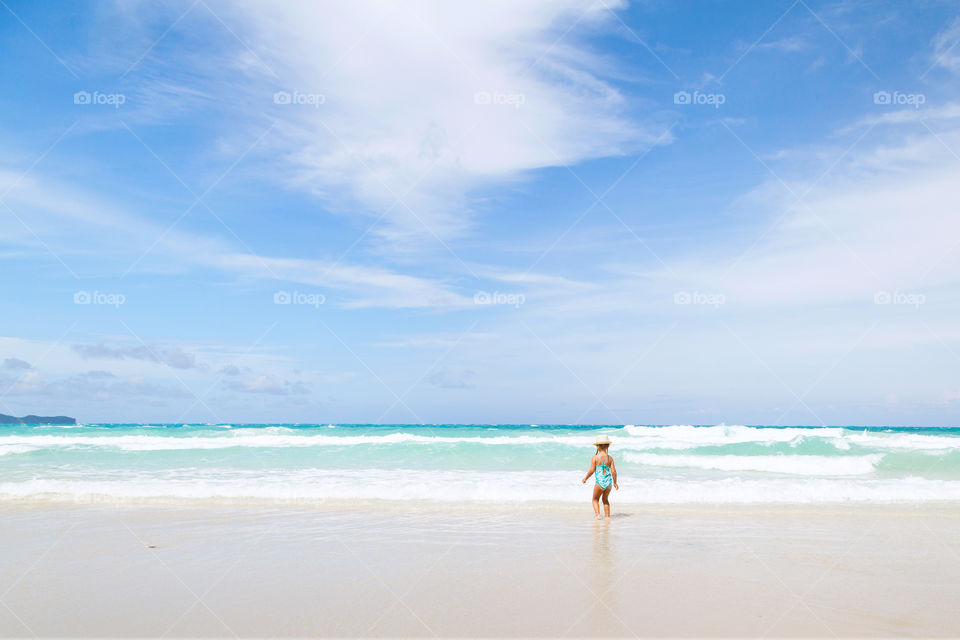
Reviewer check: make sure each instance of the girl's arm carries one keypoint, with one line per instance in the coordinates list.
(613, 472)
(593, 466)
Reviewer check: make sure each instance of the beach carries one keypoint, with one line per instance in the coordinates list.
(380, 569)
(173, 530)
(353, 319)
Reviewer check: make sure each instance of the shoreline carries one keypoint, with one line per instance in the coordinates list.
(651, 571)
(944, 508)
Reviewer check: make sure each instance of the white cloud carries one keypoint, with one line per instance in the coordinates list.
(368, 286)
(268, 385)
(928, 114)
(15, 364)
(949, 397)
(406, 89)
(884, 219)
(452, 378)
(789, 44)
(946, 47)
(78, 226)
(540, 279)
(400, 118)
(171, 356)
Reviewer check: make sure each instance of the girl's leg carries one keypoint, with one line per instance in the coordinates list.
(596, 499)
(606, 502)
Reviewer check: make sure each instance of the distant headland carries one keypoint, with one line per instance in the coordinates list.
(5, 419)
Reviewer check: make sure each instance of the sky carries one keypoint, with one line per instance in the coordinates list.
(546, 212)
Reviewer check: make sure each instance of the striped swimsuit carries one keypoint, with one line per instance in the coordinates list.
(603, 476)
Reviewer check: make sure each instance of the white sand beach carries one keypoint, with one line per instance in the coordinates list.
(422, 571)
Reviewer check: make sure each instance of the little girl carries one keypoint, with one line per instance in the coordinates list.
(605, 474)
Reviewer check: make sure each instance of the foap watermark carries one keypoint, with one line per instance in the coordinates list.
(96, 98)
(296, 97)
(99, 297)
(712, 99)
(899, 297)
(698, 297)
(298, 297)
(895, 98)
(511, 299)
(495, 97)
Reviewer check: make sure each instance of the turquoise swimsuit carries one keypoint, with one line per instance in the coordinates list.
(603, 476)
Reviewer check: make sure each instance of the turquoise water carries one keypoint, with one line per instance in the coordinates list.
(514, 463)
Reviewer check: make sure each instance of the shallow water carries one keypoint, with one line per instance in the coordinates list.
(318, 464)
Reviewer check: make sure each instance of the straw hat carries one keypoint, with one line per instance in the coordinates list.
(601, 440)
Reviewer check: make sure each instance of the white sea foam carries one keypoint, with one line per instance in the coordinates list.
(630, 438)
(687, 436)
(59, 426)
(729, 434)
(795, 465)
(279, 437)
(267, 438)
(228, 486)
(899, 440)
(7, 449)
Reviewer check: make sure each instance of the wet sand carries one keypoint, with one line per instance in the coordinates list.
(421, 571)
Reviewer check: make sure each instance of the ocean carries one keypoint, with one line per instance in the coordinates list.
(529, 464)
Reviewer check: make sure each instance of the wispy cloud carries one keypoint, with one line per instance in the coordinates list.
(365, 286)
(15, 364)
(880, 220)
(451, 378)
(171, 356)
(397, 112)
(82, 227)
(788, 44)
(268, 385)
(946, 47)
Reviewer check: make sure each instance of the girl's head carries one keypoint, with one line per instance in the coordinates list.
(602, 443)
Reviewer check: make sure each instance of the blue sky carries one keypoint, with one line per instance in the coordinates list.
(539, 212)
